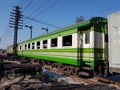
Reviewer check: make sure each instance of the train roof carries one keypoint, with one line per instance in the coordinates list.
(86, 23)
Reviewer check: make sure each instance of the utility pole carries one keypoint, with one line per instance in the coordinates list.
(30, 27)
(16, 22)
(46, 29)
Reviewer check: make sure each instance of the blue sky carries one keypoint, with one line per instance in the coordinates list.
(58, 13)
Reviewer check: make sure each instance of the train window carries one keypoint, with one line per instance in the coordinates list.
(38, 45)
(20, 47)
(67, 40)
(28, 46)
(33, 45)
(25, 46)
(87, 37)
(45, 44)
(54, 42)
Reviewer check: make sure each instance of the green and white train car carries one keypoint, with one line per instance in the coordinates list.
(10, 50)
(76, 45)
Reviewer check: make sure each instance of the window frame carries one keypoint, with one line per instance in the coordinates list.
(54, 41)
(29, 45)
(38, 45)
(25, 46)
(87, 37)
(33, 45)
(67, 40)
(45, 44)
(20, 47)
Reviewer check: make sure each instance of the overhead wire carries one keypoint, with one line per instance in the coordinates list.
(7, 35)
(45, 23)
(46, 8)
(28, 5)
(103, 11)
(55, 9)
(35, 9)
(42, 6)
(46, 5)
(22, 3)
(42, 22)
(56, 5)
(32, 10)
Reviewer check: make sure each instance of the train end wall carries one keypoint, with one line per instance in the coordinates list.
(114, 42)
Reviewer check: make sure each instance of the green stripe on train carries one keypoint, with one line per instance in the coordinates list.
(70, 61)
(84, 50)
(50, 58)
(65, 55)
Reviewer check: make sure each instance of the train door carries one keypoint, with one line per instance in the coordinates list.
(84, 46)
(80, 48)
(87, 44)
(84, 54)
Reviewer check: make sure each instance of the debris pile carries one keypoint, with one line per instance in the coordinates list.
(30, 83)
(18, 73)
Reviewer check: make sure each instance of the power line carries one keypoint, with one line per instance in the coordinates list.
(35, 4)
(103, 11)
(39, 21)
(47, 8)
(28, 5)
(22, 3)
(43, 4)
(43, 7)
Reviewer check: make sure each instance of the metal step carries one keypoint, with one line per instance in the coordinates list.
(82, 73)
(86, 68)
(87, 64)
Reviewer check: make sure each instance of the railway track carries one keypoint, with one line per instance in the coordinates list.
(107, 81)
(75, 78)
(96, 80)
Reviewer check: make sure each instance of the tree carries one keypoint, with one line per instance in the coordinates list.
(79, 19)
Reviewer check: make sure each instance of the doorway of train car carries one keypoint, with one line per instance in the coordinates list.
(80, 48)
(84, 46)
(85, 56)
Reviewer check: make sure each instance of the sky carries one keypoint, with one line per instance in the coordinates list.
(51, 14)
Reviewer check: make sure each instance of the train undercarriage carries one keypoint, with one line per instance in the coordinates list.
(85, 71)
(66, 69)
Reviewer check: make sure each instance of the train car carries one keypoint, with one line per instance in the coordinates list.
(77, 45)
(10, 50)
(114, 42)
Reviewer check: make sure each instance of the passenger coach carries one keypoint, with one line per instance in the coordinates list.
(78, 45)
